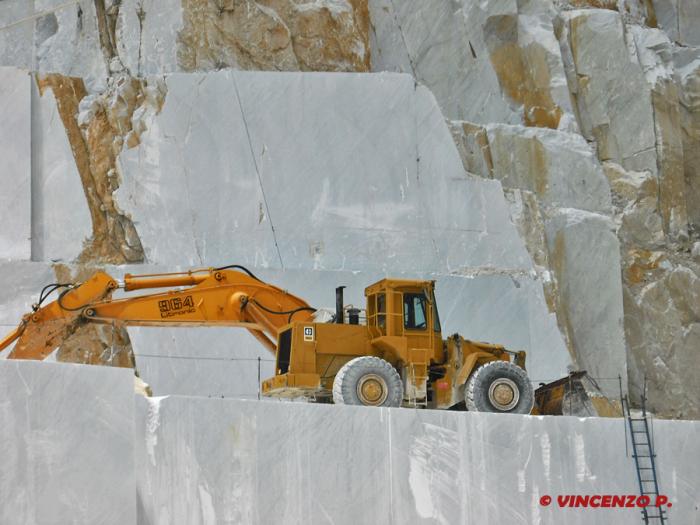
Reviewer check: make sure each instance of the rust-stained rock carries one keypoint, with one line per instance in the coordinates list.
(654, 51)
(636, 11)
(662, 325)
(669, 147)
(642, 266)
(484, 61)
(94, 344)
(96, 127)
(636, 201)
(598, 4)
(278, 35)
(523, 72)
(472, 142)
(559, 167)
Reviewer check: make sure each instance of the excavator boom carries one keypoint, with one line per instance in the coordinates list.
(209, 297)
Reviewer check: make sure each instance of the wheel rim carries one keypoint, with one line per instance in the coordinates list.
(504, 394)
(372, 389)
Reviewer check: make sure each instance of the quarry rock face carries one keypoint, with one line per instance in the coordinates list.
(612, 95)
(96, 39)
(577, 108)
(628, 114)
(540, 160)
(386, 131)
(484, 61)
(558, 167)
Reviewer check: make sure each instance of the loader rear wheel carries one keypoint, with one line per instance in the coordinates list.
(368, 381)
(499, 386)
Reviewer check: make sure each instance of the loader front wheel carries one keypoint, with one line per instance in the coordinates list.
(499, 386)
(368, 381)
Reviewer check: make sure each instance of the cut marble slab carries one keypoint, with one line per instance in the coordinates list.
(15, 175)
(298, 170)
(258, 461)
(68, 444)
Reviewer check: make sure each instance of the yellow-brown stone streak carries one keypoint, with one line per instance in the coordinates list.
(523, 73)
(114, 238)
(275, 35)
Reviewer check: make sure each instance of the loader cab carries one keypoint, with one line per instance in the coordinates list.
(405, 309)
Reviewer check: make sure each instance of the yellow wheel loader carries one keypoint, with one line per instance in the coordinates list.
(392, 353)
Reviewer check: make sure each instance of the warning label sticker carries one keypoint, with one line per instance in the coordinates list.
(308, 333)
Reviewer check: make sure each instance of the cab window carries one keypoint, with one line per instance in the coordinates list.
(436, 317)
(414, 311)
(381, 310)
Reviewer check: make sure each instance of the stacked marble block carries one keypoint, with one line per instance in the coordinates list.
(317, 180)
(67, 435)
(78, 448)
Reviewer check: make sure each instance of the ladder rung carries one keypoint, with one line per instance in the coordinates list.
(646, 468)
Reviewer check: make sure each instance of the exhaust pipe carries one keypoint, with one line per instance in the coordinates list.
(339, 304)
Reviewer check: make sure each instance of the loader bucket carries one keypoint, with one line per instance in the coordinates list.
(565, 397)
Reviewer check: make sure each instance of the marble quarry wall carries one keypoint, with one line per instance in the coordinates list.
(571, 171)
(193, 460)
(586, 111)
(539, 159)
(398, 203)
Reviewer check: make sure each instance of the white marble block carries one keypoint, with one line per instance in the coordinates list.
(228, 461)
(68, 440)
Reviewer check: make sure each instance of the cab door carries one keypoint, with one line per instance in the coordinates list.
(417, 320)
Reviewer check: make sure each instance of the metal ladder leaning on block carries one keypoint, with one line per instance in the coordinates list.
(644, 459)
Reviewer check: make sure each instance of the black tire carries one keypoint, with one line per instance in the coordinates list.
(482, 390)
(368, 381)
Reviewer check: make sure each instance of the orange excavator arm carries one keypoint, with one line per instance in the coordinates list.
(207, 297)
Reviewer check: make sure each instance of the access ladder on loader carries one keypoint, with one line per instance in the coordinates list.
(644, 460)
